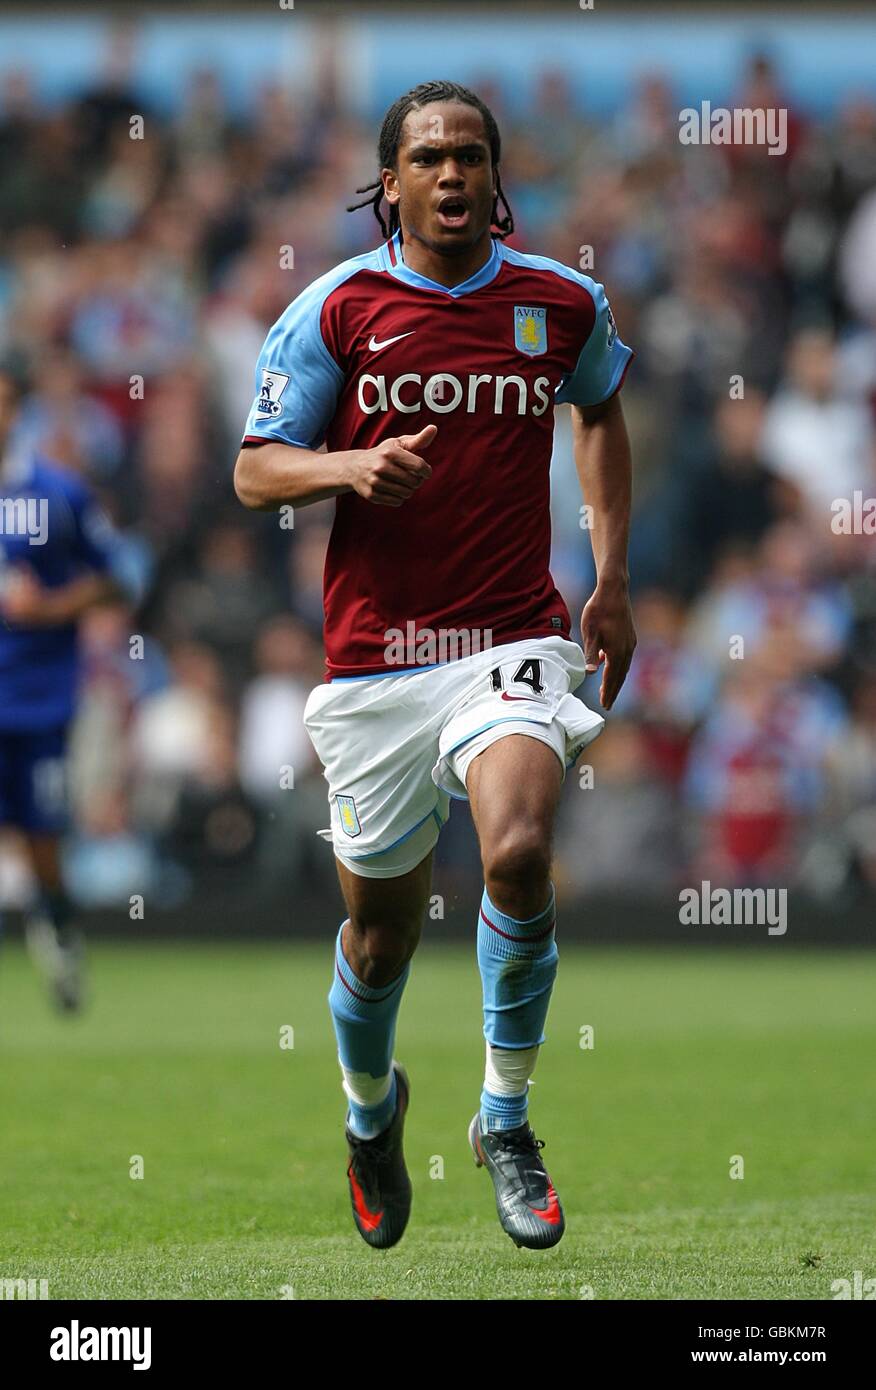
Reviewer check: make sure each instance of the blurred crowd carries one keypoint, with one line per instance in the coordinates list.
(139, 276)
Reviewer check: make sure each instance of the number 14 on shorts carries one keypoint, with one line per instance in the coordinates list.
(526, 673)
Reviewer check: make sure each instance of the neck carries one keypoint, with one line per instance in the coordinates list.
(445, 270)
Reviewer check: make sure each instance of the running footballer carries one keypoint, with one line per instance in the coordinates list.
(430, 368)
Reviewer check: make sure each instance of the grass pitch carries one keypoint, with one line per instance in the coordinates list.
(697, 1057)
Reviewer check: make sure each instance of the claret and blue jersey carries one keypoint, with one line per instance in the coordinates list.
(373, 350)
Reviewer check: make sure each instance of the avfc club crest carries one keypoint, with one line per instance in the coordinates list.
(349, 816)
(272, 388)
(530, 330)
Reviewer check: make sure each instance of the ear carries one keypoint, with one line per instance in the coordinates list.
(391, 190)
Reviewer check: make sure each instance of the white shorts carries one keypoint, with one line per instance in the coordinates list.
(396, 749)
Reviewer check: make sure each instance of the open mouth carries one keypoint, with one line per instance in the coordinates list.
(453, 212)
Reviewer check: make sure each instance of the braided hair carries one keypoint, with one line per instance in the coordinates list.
(390, 138)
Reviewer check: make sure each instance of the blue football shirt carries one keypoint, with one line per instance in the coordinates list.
(50, 522)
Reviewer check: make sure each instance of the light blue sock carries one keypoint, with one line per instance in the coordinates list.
(364, 1020)
(518, 965)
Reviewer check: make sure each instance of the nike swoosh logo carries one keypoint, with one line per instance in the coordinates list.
(552, 1215)
(375, 346)
(370, 1219)
(506, 696)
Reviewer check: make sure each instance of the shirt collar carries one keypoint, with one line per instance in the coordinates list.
(393, 262)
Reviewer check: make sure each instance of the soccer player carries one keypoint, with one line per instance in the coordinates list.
(430, 368)
(57, 557)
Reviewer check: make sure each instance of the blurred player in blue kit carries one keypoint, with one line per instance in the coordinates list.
(59, 556)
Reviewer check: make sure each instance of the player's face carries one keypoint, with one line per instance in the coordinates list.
(445, 182)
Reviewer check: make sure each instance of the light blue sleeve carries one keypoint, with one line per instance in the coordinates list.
(601, 362)
(297, 379)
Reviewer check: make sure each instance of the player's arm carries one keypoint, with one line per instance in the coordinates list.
(604, 466)
(101, 572)
(297, 385)
(28, 603)
(271, 475)
(602, 461)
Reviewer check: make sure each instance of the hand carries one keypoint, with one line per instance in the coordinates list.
(609, 635)
(24, 601)
(391, 473)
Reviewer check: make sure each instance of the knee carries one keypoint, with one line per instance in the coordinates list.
(382, 949)
(520, 861)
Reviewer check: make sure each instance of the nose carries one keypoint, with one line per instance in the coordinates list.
(451, 172)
